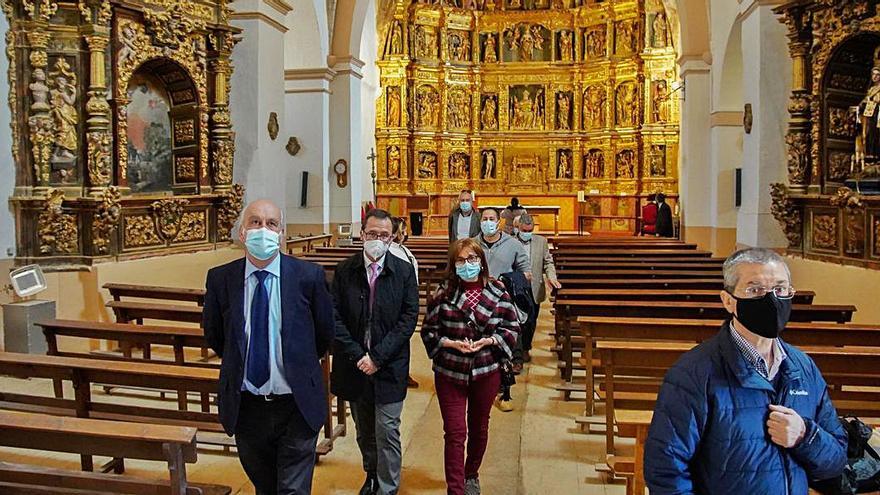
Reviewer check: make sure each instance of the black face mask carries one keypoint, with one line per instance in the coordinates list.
(765, 316)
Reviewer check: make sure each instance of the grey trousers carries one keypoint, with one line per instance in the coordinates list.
(378, 436)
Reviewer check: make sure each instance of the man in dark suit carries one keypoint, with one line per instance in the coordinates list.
(664, 217)
(377, 305)
(270, 318)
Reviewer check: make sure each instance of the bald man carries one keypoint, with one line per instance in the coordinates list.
(269, 316)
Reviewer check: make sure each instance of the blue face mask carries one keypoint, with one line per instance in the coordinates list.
(489, 227)
(465, 206)
(525, 236)
(262, 243)
(468, 271)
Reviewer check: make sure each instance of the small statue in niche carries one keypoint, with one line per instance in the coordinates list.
(426, 42)
(595, 164)
(657, 160)
(526, 38)
(563, 114)
(458, 166)
(64, 113)
(457, 112)
(563, 166)
(428, 102)
(427, 165)
(868, 116)
(127, 38)
(393, 169)
(659, 102)
(39, 91)
(627, 105)
(625, 164)
(595, 43)
(396, 45)
(659, 26)
(459, 46)
(565, 46)
(488, 169)
(626, 39)
(393, 117)
(490, 49)
(489, 115)
(594, 107)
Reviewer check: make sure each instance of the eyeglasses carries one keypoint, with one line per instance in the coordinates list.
(781, 291)
(470, 259)
(372, 236)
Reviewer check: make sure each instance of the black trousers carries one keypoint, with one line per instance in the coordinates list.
(275, 445)
(526, 335)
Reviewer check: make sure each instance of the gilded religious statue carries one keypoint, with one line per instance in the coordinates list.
(563, 165)
(626, 40)
(39, 91)
(393, 116)
(64, 113)
(458, 114)
(460, 46)
(489, 114)
(528, 111)
(525, 39)
(660, 102)
(490, 49)
(657, 160)
(625, 164)
(565, 45)
(594, 43)
(395, 46)
(868, 114)
(627, 104)
(393, 169)
(594, 162)
(594, 107)
(426, 42)
(563, 112)
(428, 105)
(459, 166)
(659, 26)
(487, 171)
(427, 165)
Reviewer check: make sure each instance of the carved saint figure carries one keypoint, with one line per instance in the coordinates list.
(565, 41)
(459, 46)
(64, 114)
(490, 49)
(427, 166)
(457, 111)
(489, 116)
(659, 102)
(426, 42)
(563, 167)
(868, 114)
(660, 31)
(127, 38)
(627, 105)
(563, 115)
(488, 171)
(39, 91)
(595, 164)
(527, 110)
(393, 119)
(657, 160)
(428, 103)
(625, 164)
(393, 171)
(595, 43)
(458, 166)
(396, 45)
(594, 107)
(526, 38)
(626, 39)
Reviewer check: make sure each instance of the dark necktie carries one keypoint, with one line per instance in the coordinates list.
(258, 355)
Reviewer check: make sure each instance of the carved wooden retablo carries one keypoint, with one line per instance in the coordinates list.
(122, 136)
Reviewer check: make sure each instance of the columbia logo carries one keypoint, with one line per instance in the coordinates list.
(798, 392)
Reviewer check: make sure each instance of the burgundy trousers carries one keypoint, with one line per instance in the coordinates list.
(465, 410)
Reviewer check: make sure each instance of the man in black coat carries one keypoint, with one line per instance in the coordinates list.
(269, 316)
(377, 305)
(664, 217)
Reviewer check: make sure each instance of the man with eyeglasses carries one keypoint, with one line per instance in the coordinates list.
(745, 412)
(377, 305)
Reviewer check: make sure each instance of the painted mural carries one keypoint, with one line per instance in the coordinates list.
(149, 136)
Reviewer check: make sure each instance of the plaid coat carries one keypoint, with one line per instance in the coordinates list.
(493, 316)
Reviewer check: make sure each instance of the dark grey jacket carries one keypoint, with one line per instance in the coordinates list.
(453, 224)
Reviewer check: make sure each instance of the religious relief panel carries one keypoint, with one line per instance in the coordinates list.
(842, 123)
(489, 112)
(427, 165)
(425, 44)
(594, 107)
(459, 166)
(564, 164)
(489, 47)
(564, 110)
(526, 107)
(657, 160)
(65, 117)
(526, 42)
(487, 165)
(625, 162)
(595, 43)
(428, 104)
(594, 164)
(626, 102)
(392, 106)
(825, 231)
(875, 245)
(459, 46)
(149, 136)
(564, 45)
(458, 110)
(626, 37)
(392, 170)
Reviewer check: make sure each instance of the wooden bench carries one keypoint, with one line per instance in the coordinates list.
(709, 283)
(307, 244)
(583, 266)
(118, 291)
(624, 273)
(173, 445)
(801, 297)
(631, 253)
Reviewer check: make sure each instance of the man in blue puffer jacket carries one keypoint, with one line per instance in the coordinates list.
(744, 412)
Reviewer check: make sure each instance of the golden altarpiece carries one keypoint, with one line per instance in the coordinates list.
(830, 209)
(532, 98)
(121, 129)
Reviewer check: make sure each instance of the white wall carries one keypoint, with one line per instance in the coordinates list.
(370, 91)
(7, 166)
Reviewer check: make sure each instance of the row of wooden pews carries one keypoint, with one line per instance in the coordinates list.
(615, 341)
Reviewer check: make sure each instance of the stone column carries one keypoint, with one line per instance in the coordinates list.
(346, 125)
(694, 171)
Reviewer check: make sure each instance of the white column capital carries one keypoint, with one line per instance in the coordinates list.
(313, 80)
(270, 12)
(347, 66)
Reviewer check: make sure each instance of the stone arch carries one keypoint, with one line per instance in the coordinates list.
(307, 40)
(730, 88)
(693, 26)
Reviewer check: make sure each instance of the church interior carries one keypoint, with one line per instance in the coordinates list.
(137, 131)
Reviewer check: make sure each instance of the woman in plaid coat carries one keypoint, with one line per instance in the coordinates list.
(471, 327)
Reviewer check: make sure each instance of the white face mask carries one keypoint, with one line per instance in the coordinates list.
(375, 249)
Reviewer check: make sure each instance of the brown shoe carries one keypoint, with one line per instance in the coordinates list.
(410, 383)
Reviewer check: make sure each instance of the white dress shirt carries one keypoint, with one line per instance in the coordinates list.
(277, 383)
(463, 227)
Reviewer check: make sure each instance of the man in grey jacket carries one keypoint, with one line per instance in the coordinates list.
(464, 220)
(543, 273)
(503, 252)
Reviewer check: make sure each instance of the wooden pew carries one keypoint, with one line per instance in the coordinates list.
(307, 244)
(621, 273)
(173, 445)
(587, 265)
(135, 311)
(610, 252)
(801, 297)
(118, 291)
(711, 283)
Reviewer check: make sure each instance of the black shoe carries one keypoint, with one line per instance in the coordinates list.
(371, 485)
